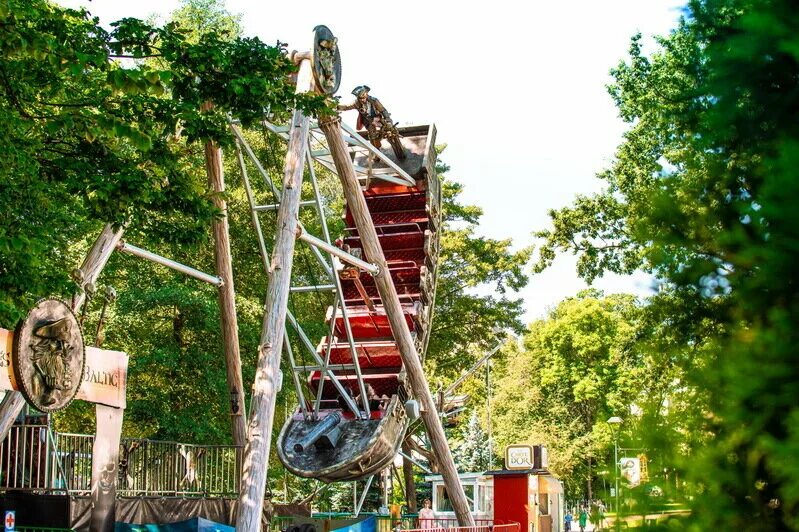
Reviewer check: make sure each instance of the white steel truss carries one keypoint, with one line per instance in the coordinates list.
(356, 144)
(328, 255)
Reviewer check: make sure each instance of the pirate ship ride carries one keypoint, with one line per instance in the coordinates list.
(367, 380)
(354, 425)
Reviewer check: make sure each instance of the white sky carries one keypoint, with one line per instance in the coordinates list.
(516, 89)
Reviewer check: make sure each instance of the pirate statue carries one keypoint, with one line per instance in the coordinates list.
(376, 119)
(50, 349)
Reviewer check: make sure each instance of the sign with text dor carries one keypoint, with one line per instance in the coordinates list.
(519, 457)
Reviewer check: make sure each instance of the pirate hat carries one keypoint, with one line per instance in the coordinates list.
(359, 89)
(58, 330)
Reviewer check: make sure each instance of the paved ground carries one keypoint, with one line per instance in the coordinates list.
(589, 528)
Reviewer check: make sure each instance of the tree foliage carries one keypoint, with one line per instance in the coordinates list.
(96, 133)
(476, 280)
(472, 452)
(577, 367)
(701, 193)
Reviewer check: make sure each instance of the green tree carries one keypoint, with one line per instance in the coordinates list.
(578, 367)
(701, 194)
(92, 139)
(471, 453)
(203, 17)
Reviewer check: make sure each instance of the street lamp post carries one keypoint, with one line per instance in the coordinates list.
(614, 423)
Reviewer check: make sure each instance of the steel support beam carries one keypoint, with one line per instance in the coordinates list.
(338, 252)
(169, 263)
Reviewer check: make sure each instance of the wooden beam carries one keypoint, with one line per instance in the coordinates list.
(95, 261)
(267, 372)
(399, 327)
(226, 293)
(10, 407)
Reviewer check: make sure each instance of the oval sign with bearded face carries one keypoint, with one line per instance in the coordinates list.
(326, 60)
(48, 355)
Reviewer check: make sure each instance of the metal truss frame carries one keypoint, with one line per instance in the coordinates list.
(328, 256)
(320, 152)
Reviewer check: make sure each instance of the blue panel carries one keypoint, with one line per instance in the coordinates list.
(197, 524)
(367, 525)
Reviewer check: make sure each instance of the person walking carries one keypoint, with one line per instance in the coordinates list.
(596, 517)
(568, 521)
(583, 519)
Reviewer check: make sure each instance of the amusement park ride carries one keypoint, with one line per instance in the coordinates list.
(366, 382)
(369, 375)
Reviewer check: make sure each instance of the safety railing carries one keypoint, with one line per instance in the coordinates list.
(168, 468)
(26, 458)
(384, 523)
(411, 523)
(451, 525)
(34, 458)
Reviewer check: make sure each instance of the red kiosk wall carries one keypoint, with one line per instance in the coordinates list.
(513, 501)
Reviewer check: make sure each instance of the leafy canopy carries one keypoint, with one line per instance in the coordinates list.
(702, 194)
(94, 132)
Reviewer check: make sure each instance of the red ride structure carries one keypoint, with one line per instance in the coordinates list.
(354, 405)
(360, 351)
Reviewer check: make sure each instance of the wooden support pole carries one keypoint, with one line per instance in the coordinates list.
(226, 293)
(393, 309)
(95, 261)
(10, 407)
(267, 372)
(86, 275)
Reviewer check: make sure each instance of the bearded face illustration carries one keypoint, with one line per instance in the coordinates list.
(50, 351)
(48, 355)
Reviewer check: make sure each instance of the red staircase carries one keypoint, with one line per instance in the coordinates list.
(406, 220)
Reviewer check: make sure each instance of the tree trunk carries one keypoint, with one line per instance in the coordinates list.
(399, 327)
(227, 301)
(259, 427)
(410, 483)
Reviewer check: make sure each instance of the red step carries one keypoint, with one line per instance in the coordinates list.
(370, 325)
(408, 293)
(394, 217)
(392, 237)
(404, 201)
(384, 383)
(376, 354)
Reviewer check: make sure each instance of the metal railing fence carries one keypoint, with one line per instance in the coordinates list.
(35, 458)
